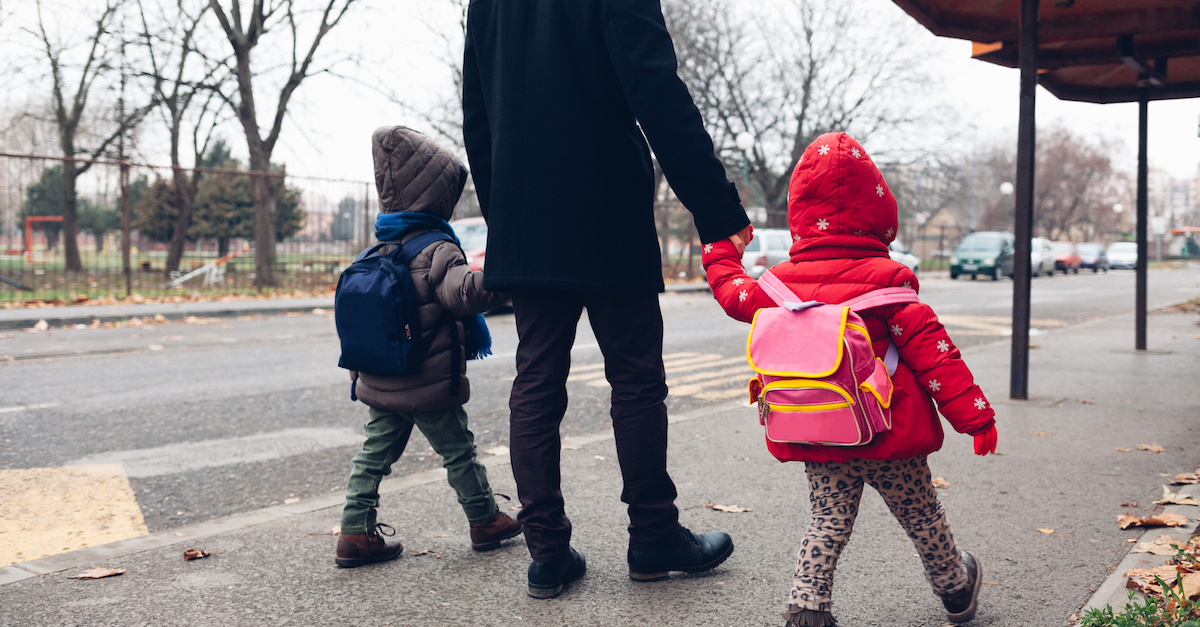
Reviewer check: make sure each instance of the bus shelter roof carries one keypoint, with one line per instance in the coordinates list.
(1098, 51)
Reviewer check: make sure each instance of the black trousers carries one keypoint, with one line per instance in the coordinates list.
(629, 330)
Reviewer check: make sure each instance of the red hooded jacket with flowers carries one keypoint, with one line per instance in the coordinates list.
(842, 217)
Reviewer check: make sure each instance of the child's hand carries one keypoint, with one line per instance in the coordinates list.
(741, 238)
(985, 442)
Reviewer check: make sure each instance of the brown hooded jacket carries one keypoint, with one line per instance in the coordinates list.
(414, 173)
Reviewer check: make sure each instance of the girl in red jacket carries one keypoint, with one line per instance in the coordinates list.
(842, 217)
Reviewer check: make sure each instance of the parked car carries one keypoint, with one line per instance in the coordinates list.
(1066, 257)
(899, 253)
(768, 248)
(1041, 257)
(989, 253)
(472, 232)
(1122, 255)
(1092, 255)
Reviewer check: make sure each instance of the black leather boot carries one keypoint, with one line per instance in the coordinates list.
(961, 605)
(546, 579)
(684, 551)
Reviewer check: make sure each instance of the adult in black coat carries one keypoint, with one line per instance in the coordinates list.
(559, 99)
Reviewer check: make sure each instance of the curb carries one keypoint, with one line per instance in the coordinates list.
(90, 555)
(1112, 592)
(170, 311)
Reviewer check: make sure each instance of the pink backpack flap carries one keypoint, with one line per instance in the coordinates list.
(818, 380)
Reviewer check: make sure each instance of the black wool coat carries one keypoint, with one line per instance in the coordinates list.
(557, 95)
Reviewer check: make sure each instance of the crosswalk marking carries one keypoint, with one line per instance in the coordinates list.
(708, 361)
(696, 388)
(703, 376)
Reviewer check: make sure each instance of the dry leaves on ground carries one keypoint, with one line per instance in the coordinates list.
(98, 573)
(732, 509)
(1123, 450)
(1162, 545)
(425, 552)
(1046, 531)
(1173, 498)
(1179, 573)
(497, 450)
(1084, 401)
(1153, 448)
(939, 482)
(41, 325)
(195, 554)
(1041, 434)
(1165, 519)
(1188, 478)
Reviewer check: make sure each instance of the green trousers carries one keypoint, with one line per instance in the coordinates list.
(387, 435)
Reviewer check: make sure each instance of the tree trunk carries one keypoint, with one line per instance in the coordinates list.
(222, 246)
(183, 221)
(99, 235)
(70, 220)
(264, 225)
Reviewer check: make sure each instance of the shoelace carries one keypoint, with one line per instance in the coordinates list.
(379, 527)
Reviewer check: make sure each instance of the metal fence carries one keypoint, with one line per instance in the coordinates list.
(321, 224)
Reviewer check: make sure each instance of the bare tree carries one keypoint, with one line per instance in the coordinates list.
(69, 109)
(787, 77)
(1075, 186)
(189, 84)
(244, 33)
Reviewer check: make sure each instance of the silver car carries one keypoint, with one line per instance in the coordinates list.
(769, 248)
(1122, 255)
(899, 253)
(1041, 257)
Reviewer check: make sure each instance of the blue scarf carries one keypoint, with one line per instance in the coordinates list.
(392, 227)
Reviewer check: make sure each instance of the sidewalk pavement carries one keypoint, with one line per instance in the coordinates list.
(1090, 395)
(85, 314)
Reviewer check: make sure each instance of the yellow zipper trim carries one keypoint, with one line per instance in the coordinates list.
(814, 375)
(800, 385)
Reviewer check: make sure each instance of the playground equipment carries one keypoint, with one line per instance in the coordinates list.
(213, 273)
(29, 233)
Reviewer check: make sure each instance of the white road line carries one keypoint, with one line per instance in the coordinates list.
(712, 374)
(186, 456)
(5, 410)
(695, 388)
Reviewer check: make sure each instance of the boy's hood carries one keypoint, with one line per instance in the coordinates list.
(838, 199)
(414, 173)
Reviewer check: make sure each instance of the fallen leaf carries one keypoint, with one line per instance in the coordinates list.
(195, 554)
(1189, 478)
(1153, 448)
(319, 312)
(155, 347)
(7, 336)
(180, 534)
(1123, 450)
(291, 500)
(172, 338)
(1131, 540)
(497, 450)
(1165, 519)
(600, 457)
(1162, 545)
(1142, 579)
(992, 583)
(1129, 504)
(425, 552)
(1173, 498)
(41, 325)
(95, 324)
(1041, 434)
(732, 509)
(336, 530)
(1045, 531)
(999, 453)
(571, 448)
(98, 573)
(159, 318)
(940, 482)
(1084, 401)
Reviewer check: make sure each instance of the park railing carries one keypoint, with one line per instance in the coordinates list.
(320, 225)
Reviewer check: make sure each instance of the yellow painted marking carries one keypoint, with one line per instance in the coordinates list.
(720, 395)
(47, 511)
(696, 388)
(712, 374)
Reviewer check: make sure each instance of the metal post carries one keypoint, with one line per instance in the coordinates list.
(126, 228)
(1142, 219)
(1023, 210)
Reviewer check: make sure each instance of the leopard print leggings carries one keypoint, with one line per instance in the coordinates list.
(835, 490)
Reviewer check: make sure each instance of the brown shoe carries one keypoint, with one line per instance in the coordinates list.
(486, 536)
(358, 549)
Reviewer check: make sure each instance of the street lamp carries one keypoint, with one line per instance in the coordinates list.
(1006, 189)
(745, 141)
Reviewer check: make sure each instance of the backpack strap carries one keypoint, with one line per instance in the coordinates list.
(407, 250)
(782, 294)
(881, 298)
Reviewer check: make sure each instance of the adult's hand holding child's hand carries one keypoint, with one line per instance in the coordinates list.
(985, 442)
(742, 237)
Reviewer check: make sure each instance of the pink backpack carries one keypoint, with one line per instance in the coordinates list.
(818, 380)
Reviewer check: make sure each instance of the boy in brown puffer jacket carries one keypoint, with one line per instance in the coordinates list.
(414, 176)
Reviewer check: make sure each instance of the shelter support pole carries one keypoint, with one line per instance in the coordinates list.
(1142, 247)
(126, 228)
(1023, 214)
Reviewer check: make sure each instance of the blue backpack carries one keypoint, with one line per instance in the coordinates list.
(375, 309)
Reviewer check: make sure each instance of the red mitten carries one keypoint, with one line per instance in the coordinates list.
(986, 442)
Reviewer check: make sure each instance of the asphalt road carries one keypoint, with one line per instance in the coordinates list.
(219, 416)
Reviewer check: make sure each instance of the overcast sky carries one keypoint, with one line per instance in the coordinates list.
(328, 133)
